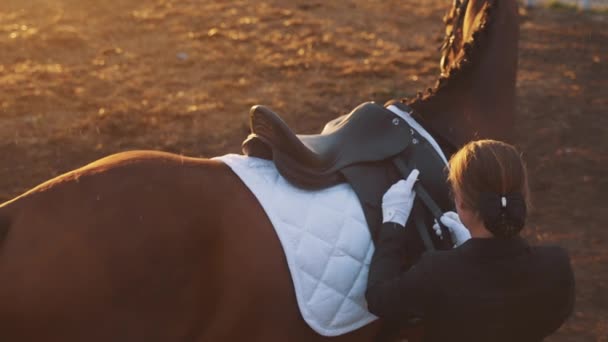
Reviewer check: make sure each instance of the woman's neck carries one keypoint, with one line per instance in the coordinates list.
(478, 230)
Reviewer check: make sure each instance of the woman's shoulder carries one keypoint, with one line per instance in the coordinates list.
(544, 256)
(551, 256)
(553, 252)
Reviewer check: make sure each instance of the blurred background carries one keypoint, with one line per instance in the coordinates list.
(580, 4)
(80, 79)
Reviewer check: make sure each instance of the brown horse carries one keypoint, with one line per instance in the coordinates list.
(149, 246)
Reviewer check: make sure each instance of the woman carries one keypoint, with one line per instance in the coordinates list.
(492, 286)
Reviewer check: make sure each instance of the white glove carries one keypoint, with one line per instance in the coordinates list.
(458, 231)
(398, 200)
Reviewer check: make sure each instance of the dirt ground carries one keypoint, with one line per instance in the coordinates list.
(80, 79)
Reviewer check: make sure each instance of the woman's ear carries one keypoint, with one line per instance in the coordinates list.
(468, 216)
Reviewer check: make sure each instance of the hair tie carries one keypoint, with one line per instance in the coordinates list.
(504, 215)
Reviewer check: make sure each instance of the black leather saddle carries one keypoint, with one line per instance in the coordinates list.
(370, 148)
(369, 133)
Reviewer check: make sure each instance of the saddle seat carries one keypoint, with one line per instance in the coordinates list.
(369, 133)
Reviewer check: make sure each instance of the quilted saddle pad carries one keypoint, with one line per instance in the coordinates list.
(326, 242)
(325, 239)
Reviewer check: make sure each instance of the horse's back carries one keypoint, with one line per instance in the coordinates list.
(145, 246)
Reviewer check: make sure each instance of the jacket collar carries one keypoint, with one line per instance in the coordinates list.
(495, 247)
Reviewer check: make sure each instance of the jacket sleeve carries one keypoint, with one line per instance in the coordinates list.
(393, 293)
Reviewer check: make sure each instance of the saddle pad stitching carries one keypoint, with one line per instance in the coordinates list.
(346, 253)
(312, 233)
(344, 297)
(329, 259)
(308, 205)
(329, 286)
(361, 262)
(349, 291)
(333, 248)
(337, 291)
(322, 280)
(356, 259)
(325, 270)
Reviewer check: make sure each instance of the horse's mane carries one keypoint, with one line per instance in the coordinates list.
(456, 70)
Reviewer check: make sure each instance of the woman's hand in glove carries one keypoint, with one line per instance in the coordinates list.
(398, 200)
(458, 231)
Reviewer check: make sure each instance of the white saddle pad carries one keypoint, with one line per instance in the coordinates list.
(325, 238)
(326, 242)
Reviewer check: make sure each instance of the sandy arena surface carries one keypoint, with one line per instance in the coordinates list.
(80, 79)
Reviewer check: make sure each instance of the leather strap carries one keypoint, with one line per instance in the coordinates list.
(424, 196)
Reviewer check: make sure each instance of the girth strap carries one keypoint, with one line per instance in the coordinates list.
(424, 196)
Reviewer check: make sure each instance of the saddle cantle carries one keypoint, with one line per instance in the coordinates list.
(369, 133)
(370, 148)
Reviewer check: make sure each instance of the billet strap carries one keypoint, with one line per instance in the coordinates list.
(421, 193)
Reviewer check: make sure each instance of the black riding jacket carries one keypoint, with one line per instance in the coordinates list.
(484, 290)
